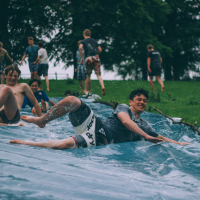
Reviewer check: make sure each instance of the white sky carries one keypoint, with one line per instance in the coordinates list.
(62, 73)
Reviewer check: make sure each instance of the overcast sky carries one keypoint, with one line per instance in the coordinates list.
(62, 73)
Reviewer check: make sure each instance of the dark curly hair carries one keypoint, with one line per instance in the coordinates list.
(35, 80)
(138, 92)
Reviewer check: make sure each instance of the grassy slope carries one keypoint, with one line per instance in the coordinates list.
(182, 92)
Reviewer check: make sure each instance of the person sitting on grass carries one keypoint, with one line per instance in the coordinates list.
(40, 95)
(123, 125)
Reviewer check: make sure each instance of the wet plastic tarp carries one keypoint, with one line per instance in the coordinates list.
(132, 170)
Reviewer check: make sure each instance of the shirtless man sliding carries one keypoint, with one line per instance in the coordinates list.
(12, 97)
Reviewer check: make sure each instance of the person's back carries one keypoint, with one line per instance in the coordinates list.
(155, 58)
(90, 46)
(43, 56)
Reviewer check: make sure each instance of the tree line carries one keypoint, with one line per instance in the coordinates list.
(123, 29)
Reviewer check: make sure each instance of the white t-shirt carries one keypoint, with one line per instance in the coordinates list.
(43, 56)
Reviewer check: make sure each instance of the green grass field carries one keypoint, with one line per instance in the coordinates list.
(180, 99)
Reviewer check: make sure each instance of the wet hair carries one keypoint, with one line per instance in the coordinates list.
(138, 92)
(1, 44)
(35, 80)
(30, 38)
(12, 67)
(40, 44)
(150, 46)
(87, 32)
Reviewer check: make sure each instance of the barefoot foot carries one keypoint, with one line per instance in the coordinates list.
(44, 108)
(34, 120)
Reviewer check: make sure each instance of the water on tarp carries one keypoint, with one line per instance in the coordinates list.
(132, 170)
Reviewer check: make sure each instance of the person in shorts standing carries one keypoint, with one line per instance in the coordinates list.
(154, 61)
(32, 52)
(3, 54)
(42, 59)
(92, 60)
(81, 75)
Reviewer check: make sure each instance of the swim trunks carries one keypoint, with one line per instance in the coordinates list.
(33, 67)
(93, 62)
(43, 69)
(88, 127)
(5, 120)
(2, 66)
(155, 71)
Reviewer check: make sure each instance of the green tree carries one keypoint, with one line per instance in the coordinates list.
(181, 35)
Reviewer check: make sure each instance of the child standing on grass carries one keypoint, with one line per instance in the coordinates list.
(81, 70)
(42, 59)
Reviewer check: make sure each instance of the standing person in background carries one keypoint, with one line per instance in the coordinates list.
(32, 52)
(81, 70)
(154, 61)
(42, 59)
(92, 60)
(3, 54)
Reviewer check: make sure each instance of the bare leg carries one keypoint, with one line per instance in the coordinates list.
(81, 85)
(32, 75)
(53, 144)
(40, 87)
(35, 75)
(100, 81)
(161, 83)
(85, 86)
(47, 82)
(88, 83)
(8, 100)
(68, 104)
(151, 83)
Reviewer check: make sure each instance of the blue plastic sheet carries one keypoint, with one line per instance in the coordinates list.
(132, 170)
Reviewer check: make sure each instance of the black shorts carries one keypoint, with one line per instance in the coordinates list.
(5, 120)
(43, 69)
(90, 131)
(155, 71)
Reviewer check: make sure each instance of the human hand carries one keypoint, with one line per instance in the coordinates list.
(184, 143)
(82, 61)
(20, 63)
(149, 69)
(153, 139)
(75, 70)
(11, 61)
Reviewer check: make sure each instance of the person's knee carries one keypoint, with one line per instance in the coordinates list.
(6, 90)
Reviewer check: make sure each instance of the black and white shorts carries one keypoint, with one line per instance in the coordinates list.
(89, 129)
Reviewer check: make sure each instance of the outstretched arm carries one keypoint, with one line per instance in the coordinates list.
(172, 141)
(148, 64)
(9, 58)
(133, 127)
(22, 59)
(81, 52)
(53, 144)
(37, 60)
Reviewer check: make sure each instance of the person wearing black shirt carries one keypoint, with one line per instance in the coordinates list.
(92, 60)
(154, 61)
(123, 125)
